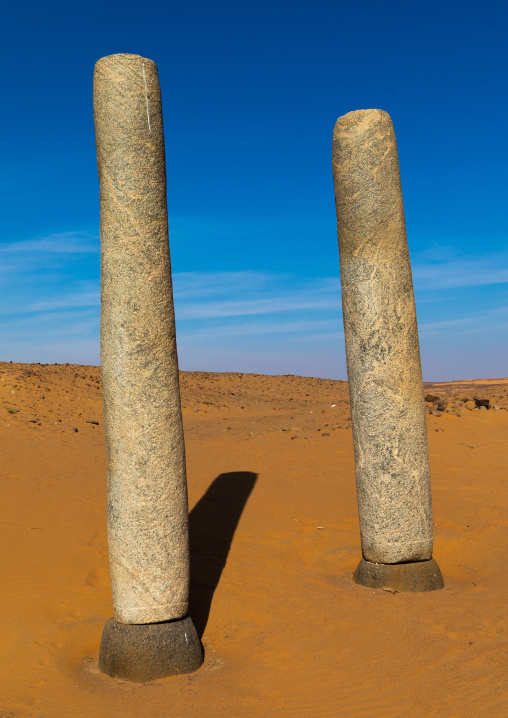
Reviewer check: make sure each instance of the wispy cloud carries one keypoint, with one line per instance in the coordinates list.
(235, 294)
(262, 312)
(59, 243)
(203, 285)
(243, 320)
(85, 298)
(57, 271)
(443, 270)
(48, 258)
(309, 330)
(444, 325)
(49, 303)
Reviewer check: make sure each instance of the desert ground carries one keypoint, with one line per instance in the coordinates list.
(274, 542)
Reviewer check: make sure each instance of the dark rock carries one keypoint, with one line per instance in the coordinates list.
(411, 576)
(146, 652)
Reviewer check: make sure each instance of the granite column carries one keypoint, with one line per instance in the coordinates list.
(151, 635)
(383, 358)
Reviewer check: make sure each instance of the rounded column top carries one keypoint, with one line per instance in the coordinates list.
(359, 120)
(123, 58)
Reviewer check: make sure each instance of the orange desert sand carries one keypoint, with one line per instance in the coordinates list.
(274, 542)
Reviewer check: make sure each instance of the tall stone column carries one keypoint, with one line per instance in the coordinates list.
(151, 635)
(383, 358)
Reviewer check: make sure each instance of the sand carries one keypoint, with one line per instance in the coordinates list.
(274, 542)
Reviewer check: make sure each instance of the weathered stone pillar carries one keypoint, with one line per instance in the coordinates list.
(151, 635)
(383, 358)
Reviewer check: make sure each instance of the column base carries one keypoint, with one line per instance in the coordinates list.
(145, 652)
(413, 576)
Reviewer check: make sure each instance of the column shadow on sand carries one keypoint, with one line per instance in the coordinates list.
(212, 525)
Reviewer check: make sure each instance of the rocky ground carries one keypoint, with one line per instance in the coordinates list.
(68, 397)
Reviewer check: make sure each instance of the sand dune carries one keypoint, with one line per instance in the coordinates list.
(274, 542)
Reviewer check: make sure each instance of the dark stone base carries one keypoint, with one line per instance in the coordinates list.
(413, 576)
(145, 652)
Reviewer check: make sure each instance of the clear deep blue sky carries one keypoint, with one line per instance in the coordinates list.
(251, 92)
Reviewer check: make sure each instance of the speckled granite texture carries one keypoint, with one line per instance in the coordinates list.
(383, 356)
(147, 490)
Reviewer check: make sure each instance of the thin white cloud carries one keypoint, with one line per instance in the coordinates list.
(248, 307)
(310, 330)
(83, 299)
(59, 243)
(435, 326)
(58, 271)
(49, 308)
(198, 296)
(494, 319)
(196, 285)
(448, 272)
(50, 324)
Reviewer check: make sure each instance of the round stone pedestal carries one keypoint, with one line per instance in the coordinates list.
(145, 652)
(412, 576)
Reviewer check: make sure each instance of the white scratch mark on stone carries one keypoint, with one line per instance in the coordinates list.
(186, 641)
(146, 98)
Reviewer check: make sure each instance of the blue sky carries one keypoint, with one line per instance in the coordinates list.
(250, 96)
